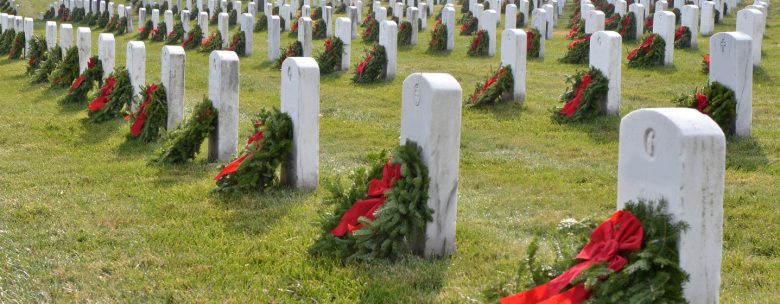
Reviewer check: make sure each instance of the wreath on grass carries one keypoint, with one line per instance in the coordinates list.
(405, 33)
(295, 49)
(238, 43)
(330, 60)
(367, 19)
(577, 31)
(262, 24)
(7, 41)
(520, 20)
(644, 269)
(17, 47)
(705, 64)
(184, 143)
(492, 91)
(584, 99)
(151, 116)
(176, 35)
(112, 24)
(111, 97)
(212, 43)
(77, 16)
(52, 59)
(37, 54)
(649, 53)
(578, 51)
(611, 23)
(479, 44)
(67, 70)
(627, 27)
(438, 38)
(372, 68)
(255, 168)
(144, 32)
(716, 101)
(91, 19)
(316, 13)
(195, 13)
(49, 14)
(121, 27)
(232, 18)
(294, 27)
(533, 43)
(371, 33)
(376, 214)
(103, 20)
(194, 38)
(682, 38)
(215, 17)
(83, 84)
(469, 25)
(160, 33)
(649, 24)
(63, 13)
(319, 29)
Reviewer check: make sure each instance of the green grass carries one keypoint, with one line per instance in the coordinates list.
(83, 217)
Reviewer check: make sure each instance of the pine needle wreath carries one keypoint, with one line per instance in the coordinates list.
(184, 143)
(403, 213)
(577, 31)
(294, 27)
(49, 14)
(342, 8)
(112, 24)
(123, 92)
(533, 43)
(367, 19)
(479, 44)
(585, 98)
(652, 274)
(650, 52)
(716, 14)
(17, 47)
(194, 38)
(121, 26)
(578, 51)
(371, 33)
(77, 16)
(262, 24)
(150, 118)
(102, 107)
(469, 25)
(7, 41)
(627, 27)
(91, 19)
(67, 70)
(493, 89)
(144, 32)
(405, 33)
(295, 49)
(37, 54)
(682, 38)
(438, 38)
(160, 33)
(716, 101)
(194, 14)
(63, 14)
(372, 68)
(53, 58)
(705, 64)
(103, 20)
(319, 29)
(520, 20)
(255, 168)
(330, 59)
(232, 18)
(649, 24)
(82, 85)
(212, 43)
(215, 17)
(611, 23)
(316, 14)
(238, 43)
(176, 35)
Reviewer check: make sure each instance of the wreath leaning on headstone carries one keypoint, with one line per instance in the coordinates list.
(578, 51)
(627, 27)
(649, 53)
(194, 38)
(577, 30)
(184, 143)
(238, 43)
(645, 268)
(584, 99)
(7, 41)
(82, 85)
(682, 38)
(111, 97)
(330, 59)
(17, 47)
(121, 27)
(319, 29)
(520, 20)
(367, 19)
(160, 33)
(176, 35)
(262, 24)
(151, 116)
(438, 37)
(479, 44)
(37, 54)
(255, 168)
(373, 67)
(493, 89)
(716, 101)
(405, 33)
(103, 20)
(371, 33)
(67, 70)
(533, 43)
(112, 24)
(469, 25)
(212, 43)
(376, 214)
(50, 62)
(145, 31)
(705, 64)
(295, 49)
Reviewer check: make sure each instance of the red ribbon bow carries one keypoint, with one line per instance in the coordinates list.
(77, 83)
(702, 102)
(571, 107)
(139, 122)
(233, 166)
(621, 233)
(367, 207)
(99, 102)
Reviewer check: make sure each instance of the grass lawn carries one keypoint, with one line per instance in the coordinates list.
(84, 217)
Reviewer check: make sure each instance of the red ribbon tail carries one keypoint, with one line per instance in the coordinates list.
(363, 208)
(231, 167)
(98, 103)
(138, 124)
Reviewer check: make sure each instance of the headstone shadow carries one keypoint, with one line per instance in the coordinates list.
(602, 129)
(761, 76)
(744, 153)
(256, 213)
(98, 132)
(131, 148)
(503, 111)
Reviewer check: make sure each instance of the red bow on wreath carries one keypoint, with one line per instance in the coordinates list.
(139, 122)
(571, 107)
(644, 47)
(621, 233)
(233, 166)
(367, 207)
(105, 91)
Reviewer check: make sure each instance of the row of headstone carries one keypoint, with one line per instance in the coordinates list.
(20, 25)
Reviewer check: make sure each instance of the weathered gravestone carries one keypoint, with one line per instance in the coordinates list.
(594, 22)
(66, 37)
(431, 117)
(304, 35)
(300, 93)
(605, 55)
(107, 52)
(388, 37)
(274, 39)
(678, 154)
(750, 22)
(513, 53)
(172, 78)
(223, 93)
(664, 26)
(224, 29)
(731, 65)
(135, 61)
(141, 17)
(84, 45)
(344, 32)
(690, 19)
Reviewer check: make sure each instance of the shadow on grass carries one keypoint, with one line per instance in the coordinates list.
(172, 175)
(256, 213)
(132, 148)
(603, 129)
(97, 132)
(744, 154)
(504, 111)
(265, 64)
(761, 76)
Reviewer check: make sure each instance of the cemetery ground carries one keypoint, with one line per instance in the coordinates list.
(85, 217)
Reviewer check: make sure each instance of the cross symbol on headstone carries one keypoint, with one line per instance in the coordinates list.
(723, 45)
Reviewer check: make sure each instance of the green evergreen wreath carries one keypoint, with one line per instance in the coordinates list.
(405, 33)
(121, 27)
(144, 32)
(232, 18)
(176, 35)
(67, 70)
(677, 15)
(716, 101)
(577, 31)
(682, 38)
(262, 24)
(194, 38)
(652, 274)
(650, 52)
(319, 29)
(578, 51)
(585, 97)
(404, 212)
(367, 19)
(611, 23)
(52, 59)
(238, 43)
(194, 14)
(520, 20)
(330, 60)
(316, 14)
(103, 20)
(469, 26)
(705, 64)
(91, 19)
(7, 41)
(371, 33)
(212, 43)
(493, 89)
(160, 33)
(149, 120)
(479, 44)
(215, 17)
(49, 14)
(116, 93)
(184, 143)
(112, 24)
(438, 38)
(372, 68)
(37, 54)
(17, 47)
(83, 84)
(63, 14)
(294, 27)
(295, 49)
(255, 168)
(627, 27)
(649, 24)
(533, 43)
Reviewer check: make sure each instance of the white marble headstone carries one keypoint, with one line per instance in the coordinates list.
(107, 52)
(594, 22)
(304, 35)
(223, 93)
(640, 14)
(51, 34)
(510, 17)
(731, 65)
(448, 20)
(664, 26)
(274, 39)
(690, 19)
(605, 54)
(172, 78)
(84, 45)
(300, 96)
(750, 22)
(66, 37)
(344, 32)
(540, 24)
(388, 37)
(135, 61)
(513, 53)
